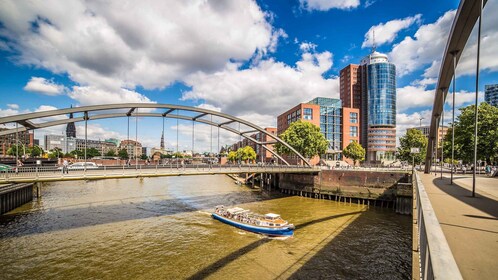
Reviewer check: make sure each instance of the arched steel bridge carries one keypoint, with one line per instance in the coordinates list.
(32, 121)
(469, 11)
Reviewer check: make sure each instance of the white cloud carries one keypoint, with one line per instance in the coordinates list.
(95, 96)
(265, 89)
(418, 96)
(13, 106)
(387, 32)
(148, 43)
(369, 3)
(307, 46)
(44, 86)
(325, 5)
(426, 47)
(95, 131)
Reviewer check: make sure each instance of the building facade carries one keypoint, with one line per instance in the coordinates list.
(441, 132)
(491, 95)
(61, 142)
(23, 138)
(339, 125)
(132, 147)
(102, 146)
(375, 79)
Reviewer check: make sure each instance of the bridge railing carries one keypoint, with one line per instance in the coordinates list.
(40, 172)
(435, 258)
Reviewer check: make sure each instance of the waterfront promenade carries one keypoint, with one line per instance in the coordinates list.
(470, 224)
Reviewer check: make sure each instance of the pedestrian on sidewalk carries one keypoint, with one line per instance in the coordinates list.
(65, 167)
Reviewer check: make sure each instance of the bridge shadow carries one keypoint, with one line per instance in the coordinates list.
(209, 270)
(28, 222)
(480, 202)
(372, 246)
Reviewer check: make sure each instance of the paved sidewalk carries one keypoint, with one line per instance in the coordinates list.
(470, 224)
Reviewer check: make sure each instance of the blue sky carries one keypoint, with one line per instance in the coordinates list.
(252, 59)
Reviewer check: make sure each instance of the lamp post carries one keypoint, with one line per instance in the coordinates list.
(420, 125)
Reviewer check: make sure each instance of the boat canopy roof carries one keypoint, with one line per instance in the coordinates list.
(272, 216)
(236, 210)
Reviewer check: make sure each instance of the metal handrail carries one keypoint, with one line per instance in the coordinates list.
(40, 173)
(435, 257)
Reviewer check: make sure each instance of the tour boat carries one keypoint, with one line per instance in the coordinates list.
(268, 224)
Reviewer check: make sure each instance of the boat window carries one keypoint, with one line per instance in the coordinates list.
(271, 224)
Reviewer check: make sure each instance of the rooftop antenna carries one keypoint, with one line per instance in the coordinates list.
(374, 46)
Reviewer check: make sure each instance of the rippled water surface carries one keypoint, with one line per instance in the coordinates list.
(160, 228)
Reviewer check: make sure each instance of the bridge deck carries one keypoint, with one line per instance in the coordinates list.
(51, 174)
(469, 224)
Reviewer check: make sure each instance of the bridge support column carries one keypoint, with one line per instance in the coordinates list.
(38, 189)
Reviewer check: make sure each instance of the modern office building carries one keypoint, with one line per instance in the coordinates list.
(491, 94)
(339, 125)
(371, 87)
(62, 142)
(425, 131)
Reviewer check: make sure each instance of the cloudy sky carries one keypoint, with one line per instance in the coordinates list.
(252, 59)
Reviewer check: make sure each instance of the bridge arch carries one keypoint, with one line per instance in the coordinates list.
(170, 111)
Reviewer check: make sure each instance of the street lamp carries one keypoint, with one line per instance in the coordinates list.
(420, 126)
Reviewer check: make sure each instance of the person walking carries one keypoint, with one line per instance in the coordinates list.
(65, 167)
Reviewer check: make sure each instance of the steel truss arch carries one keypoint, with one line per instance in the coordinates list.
(26, 120)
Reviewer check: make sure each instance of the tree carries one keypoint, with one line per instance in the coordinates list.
(487, 134)
(143, 157)
(111, 153)
(232, 156)
(246, 153)
(305, 138)
(36, 151)
(92, 152)
(355, 152)
(412, 139)
(78, 153)
(123, 154)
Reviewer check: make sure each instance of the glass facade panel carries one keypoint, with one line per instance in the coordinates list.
(308, 114)
(381, 94)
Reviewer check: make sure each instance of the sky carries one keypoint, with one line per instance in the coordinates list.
(250, 59)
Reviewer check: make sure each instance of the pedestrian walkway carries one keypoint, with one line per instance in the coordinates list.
(470, 224)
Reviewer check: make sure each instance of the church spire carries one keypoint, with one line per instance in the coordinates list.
(71, 128)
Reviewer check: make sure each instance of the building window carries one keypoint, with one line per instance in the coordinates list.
(353, 131)
(353, 117)
(308, 114)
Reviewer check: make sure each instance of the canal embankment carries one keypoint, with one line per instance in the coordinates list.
(14, 195)
(388, 189)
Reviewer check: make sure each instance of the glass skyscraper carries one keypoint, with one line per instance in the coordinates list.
(378, 107)
(491, 95)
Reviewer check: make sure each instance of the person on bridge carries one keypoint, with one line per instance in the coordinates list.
(65, 169)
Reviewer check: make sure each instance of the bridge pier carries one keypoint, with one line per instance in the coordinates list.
(38, 186)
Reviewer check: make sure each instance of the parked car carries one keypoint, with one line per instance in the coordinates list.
(6, 168)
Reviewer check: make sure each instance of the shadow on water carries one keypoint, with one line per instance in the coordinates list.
(207, 271)
(385, 253)
(480, 202)
(102, 212)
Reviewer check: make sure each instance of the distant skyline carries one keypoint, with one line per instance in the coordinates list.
(251, 59)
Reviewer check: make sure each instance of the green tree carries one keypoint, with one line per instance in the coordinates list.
(92, 152)
(78, 153)
(17, 149)
(56, 152)
(355, 152)
(246, 153)
(36, 151)
(412, 139)
(487, 134)
(305, 138)
(111, 153)
(143, 157)
(232, 156)
(123, 154)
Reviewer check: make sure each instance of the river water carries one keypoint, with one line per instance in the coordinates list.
(160, 228)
